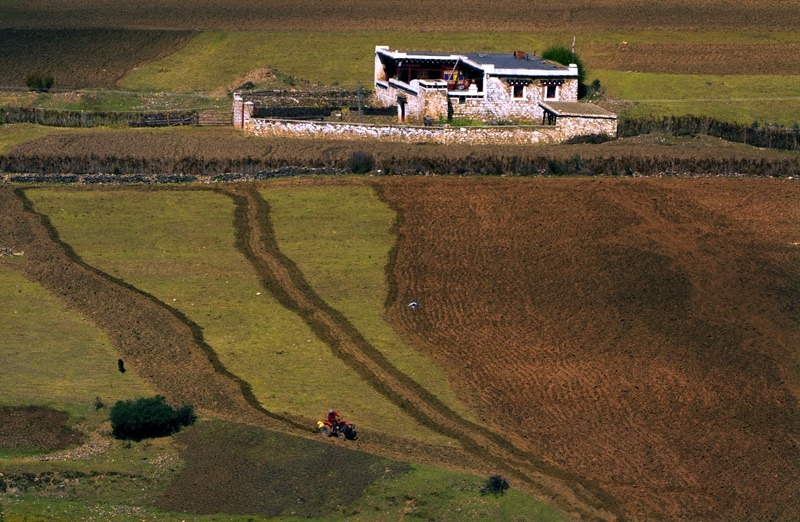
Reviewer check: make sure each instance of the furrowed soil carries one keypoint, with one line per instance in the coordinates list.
(640, 333)
(450, 15)
(745, 58)
(32, 427)
(81, 58)
(240, 469)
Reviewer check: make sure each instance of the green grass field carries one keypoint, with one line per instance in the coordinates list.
(744, 99)
(179, 246)
(52, 355)
(127, 482)
(428, 493)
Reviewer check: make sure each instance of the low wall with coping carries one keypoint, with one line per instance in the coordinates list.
(496, 135)
(566, 127)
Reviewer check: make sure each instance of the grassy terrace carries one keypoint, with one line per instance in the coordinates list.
(179, 246)
(740, 98)
(731, 76)
(52, 355)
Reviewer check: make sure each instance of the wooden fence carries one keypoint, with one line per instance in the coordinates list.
(62, 118)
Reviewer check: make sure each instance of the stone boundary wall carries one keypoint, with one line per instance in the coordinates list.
(566, 128)
(406, 133)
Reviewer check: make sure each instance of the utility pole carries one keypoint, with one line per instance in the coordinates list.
(359, 101)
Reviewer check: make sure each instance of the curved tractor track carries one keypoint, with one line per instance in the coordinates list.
(279, 275)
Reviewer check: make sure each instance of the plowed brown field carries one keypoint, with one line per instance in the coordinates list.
(642, 334)
(81, 57)
(696, 58)
(448, 15)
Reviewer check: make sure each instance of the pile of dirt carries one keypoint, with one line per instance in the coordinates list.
(34, 427)
(640, 333)
(240, 469)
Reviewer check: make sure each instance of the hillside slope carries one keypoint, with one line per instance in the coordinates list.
(514, 15)
(641, 333)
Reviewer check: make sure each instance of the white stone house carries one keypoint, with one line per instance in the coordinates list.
(514, 88)
(536, 99)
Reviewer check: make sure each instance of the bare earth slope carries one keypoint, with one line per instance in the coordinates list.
(449, 15)
(640, 333)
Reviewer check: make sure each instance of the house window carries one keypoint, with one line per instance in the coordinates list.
(550, 92)
(518, 92)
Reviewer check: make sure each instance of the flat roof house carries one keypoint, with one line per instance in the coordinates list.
(488, 87)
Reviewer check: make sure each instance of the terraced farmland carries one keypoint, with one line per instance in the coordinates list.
(613, 347)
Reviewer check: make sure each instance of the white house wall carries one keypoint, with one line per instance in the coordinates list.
(499, 104)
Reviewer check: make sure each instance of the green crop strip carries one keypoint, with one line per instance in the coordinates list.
(179, 247)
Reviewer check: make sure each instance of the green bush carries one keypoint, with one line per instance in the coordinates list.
(39, 82)
(564, 56)
(148, 417)
(495, 485)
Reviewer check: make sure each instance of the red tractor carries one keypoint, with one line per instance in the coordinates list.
(335, 426)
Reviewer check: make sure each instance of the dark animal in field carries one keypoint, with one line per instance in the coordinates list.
(121, 365)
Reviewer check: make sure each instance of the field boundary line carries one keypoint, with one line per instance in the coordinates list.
(281, 277)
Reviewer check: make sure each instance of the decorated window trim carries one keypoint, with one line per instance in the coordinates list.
(519, 88)
(551, 88)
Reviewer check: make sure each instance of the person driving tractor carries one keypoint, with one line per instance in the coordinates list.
(333, 417)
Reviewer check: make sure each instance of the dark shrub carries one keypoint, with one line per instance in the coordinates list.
(148, 417)
(185, 415)
(589, 138)
(361, 163)
(39, 82)
(495, 485)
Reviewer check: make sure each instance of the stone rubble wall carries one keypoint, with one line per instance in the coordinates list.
(384, 96)
(503, 135)
(575, 126)
(499, 105)
(568, 91)
(431, 103)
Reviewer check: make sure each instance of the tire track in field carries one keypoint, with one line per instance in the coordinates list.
(279, 275)
(159, 342)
